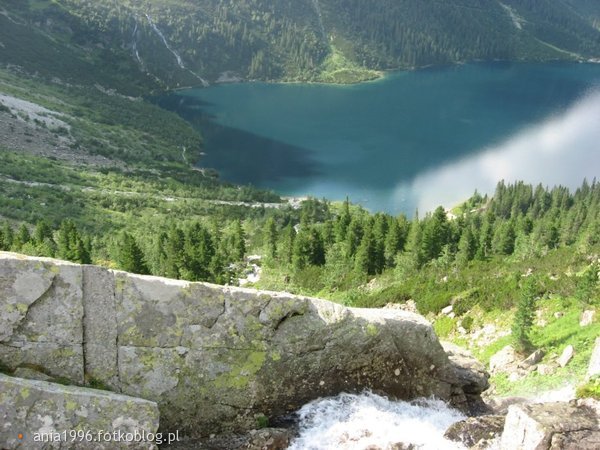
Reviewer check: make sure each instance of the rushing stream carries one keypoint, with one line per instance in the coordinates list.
(353, 422)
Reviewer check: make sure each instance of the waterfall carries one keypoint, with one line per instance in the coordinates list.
(317, 7)
(353, 422)
(164, 39)
(134, 43)
(173, 51)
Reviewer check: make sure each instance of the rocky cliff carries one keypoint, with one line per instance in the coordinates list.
(214, 358)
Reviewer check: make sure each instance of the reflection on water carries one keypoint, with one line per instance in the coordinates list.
(414, 139)
(560, 151)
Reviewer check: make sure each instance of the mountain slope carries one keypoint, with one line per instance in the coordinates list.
(185, 42)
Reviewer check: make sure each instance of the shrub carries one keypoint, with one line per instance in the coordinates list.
(591, 389)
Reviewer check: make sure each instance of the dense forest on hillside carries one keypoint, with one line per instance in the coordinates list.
(191, 42)
(334, 250)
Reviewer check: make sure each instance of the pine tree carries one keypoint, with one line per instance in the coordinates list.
(22, 237)
(467, 246)
(173, 248)
(343, 222)
(286, 244)
(42, 232)
(354, 235)
(70, 245)
(198, 253)
(238, 243)
(523, 321)
(414, 242)
(435, 234)
(365, 260)
(270, 237)
(6, 237)
(308, 248)
(129, 255)
(393, 243)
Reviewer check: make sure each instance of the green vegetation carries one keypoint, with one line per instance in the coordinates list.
(591, 389)
(119, 44)
(94, 172)
(524, 316)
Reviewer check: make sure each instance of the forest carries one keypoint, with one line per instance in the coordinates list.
(336, 249)
(191, 42)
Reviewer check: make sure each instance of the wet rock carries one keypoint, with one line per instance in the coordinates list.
(476, 430)
(31, 407)
(566, 356)
(551, 426)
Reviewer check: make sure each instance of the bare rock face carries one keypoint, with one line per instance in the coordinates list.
(34, 414)
(552, 426)
(214, 357)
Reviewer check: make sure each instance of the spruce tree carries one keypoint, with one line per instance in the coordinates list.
(129, 255)
(524, 316)
(270, 237)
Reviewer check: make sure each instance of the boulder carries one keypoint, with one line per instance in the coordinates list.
(447, 310)
(214, 357)
(41, 315)
(41, 415)
(476, 430)
(503, 360)
(472, 375)
(566, 356)
(552, 426)
(532, 359)
(546, 369)
(587, 317)
(594, 366)
(499, 405)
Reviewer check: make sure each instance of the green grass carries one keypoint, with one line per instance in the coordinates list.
(552, 338)
(337, 68)
(590, 389)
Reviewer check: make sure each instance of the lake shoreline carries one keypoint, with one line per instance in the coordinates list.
(383, 73)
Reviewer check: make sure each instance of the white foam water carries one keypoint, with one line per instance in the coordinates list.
(353, 422)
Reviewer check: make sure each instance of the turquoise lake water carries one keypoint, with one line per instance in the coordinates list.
(411, 140)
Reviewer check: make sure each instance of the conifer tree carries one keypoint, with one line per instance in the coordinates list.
(270, 237)
(523, 321)
(129, 255)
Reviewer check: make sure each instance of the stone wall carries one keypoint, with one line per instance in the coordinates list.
(214, 358)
